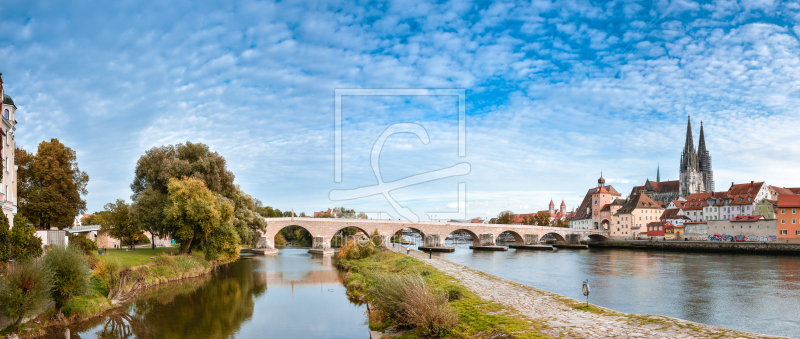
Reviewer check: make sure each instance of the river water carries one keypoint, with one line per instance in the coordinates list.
(289, 295)
(754, 293)
(297, 295)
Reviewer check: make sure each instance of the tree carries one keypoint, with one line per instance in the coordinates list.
(362, 215)
(117, 222)
(542, 218)
(303, 215)
(196, 217)
(345, 213)
(562, 223)
(92, 219)
(506, 217)
(70, 271)
(25, 289)
(148, 213)
(24, 242)
(5, 239)
(50, 185)
(159, 165)
(324, 215)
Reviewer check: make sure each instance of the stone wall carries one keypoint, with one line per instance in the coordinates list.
(760, 228)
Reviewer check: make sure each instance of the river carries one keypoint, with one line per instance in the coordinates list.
(297, 295)
(753, 293)
(289, 295)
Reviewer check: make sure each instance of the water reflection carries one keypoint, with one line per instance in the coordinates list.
(292, 294)
(755, 293)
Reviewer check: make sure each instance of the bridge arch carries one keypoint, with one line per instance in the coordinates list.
(559, 238)
(518, 239)
(399, 232)
(598, 237)
(278, 231)
(476, 241)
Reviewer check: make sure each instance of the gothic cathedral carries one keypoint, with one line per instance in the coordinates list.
(696, 173)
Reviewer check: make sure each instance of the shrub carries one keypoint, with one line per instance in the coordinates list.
(70, 274)
(429, 311)
(5, 239)
(85, 244)
(356, 250)
(25, 289)
(409, 298)
(24, 242)
(454, 294)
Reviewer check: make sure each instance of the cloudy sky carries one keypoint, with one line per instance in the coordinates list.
(556, 91)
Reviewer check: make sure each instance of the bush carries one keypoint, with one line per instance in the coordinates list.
(454, 294)
(24, 242)
(356, 250)
(25, 289)
(70, 274)
(410, 299)
(429, 311)
(5, 239)
(87, 245)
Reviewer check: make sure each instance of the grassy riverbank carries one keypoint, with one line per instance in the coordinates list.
(142, 269)
(476, 317)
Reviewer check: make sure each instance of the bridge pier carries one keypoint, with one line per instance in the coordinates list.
(264, 246)
(572, 241)
(435, 243)
(532, 243)
(321, 245)
(487, 243)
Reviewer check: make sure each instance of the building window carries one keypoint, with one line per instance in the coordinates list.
(793, 221)
(783, 232)
(5, 114)
(797, 232)
(783, 221)
(783, 211)
(794, 210)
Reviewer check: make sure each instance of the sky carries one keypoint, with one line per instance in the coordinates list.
(554, 93)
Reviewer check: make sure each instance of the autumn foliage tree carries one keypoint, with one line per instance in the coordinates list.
(506, 217)
(50, 185)
(198, 218)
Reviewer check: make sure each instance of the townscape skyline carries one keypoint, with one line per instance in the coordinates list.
(555, 93)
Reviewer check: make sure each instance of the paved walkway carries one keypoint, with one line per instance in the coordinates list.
(555, 316)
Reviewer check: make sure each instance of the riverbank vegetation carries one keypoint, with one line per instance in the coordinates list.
(406, 295)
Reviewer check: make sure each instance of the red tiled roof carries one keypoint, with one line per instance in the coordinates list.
(659, 187)
(789, 201)
(748, 188)
(747, 218)
(639, 200)
(796, 190)
(782, 190)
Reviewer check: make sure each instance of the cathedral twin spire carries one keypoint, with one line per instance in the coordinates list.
(696, 173)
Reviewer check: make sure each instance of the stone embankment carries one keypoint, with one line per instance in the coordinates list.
(706, 246)
(560, 318)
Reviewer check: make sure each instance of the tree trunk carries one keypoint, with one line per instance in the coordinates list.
(152, 241)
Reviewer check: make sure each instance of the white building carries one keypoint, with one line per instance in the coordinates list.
(8, 188)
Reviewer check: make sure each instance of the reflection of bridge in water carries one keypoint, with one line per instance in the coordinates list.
(433, 233)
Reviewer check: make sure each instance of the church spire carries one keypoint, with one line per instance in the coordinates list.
(701, 146)
(688, 148)
(658, 173)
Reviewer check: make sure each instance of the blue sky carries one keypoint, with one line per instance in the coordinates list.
(556, 92)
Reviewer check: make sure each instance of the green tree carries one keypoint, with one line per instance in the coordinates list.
(92, 219)
(148, 213)
(5, 239)
(562, 223)
(362, 215)
(198, 218)
(506, 217)
(70, 271)
(25, 289)
(50, 185)
(24, 242)
(159, 165)
(117, 222)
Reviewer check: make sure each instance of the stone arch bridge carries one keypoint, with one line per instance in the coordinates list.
(323, 229)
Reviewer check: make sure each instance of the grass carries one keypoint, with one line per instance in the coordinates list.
(140, 256)
(477, 317)
(590, 308)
